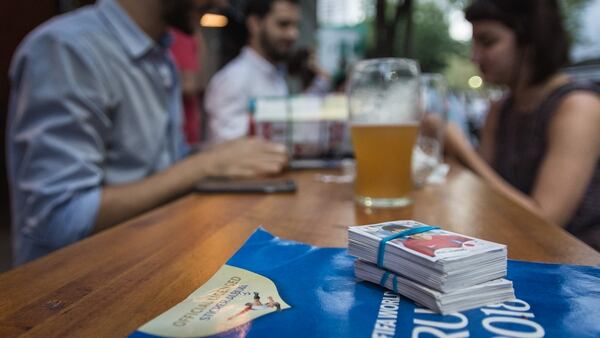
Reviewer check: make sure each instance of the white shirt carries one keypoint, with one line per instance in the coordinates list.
(231, 90)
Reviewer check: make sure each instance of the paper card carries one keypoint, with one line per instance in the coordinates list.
(231, 298)
(433, 245)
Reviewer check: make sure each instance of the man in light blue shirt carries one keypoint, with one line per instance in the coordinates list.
(94, 131)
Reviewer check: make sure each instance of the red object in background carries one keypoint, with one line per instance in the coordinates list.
(252, 126)
(185, 53)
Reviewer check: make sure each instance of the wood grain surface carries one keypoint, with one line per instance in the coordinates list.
(110, 284)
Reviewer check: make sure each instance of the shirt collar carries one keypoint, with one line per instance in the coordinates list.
(262, 63)
(134, 40)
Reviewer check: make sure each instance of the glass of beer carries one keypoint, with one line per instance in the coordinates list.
(383, 97)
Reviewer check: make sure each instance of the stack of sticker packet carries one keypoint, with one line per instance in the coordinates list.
(441, 270)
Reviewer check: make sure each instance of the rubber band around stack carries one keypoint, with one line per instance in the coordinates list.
(381, 252)
(385, 277)
(403, 233)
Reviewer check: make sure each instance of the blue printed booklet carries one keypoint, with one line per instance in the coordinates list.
(279, 288)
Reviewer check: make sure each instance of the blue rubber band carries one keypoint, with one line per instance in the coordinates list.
(384, 278)
(403, 233)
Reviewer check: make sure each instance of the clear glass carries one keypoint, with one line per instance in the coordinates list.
(383, 96)
(429, 150)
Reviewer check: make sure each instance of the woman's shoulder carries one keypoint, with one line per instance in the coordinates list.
(578, 96)
(579, 105)
(578, 109)
(575, 91)
(570, 99)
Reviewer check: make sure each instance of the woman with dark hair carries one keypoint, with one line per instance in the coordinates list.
(540, 144)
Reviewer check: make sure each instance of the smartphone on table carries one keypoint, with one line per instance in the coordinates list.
(250, 186)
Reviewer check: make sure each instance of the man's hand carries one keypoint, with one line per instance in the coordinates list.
(246, 157)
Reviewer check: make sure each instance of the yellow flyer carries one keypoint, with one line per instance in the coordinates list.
(231, 298)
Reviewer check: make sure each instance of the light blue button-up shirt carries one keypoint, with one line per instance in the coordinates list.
(94, 102)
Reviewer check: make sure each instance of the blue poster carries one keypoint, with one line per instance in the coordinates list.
(279, 288)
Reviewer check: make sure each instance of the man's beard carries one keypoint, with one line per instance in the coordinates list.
(179, 14)
(270, 48)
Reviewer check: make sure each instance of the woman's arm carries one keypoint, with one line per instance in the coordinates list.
(458, 145)
(572, 156)
(573, 152)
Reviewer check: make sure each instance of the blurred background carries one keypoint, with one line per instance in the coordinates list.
(339, 32)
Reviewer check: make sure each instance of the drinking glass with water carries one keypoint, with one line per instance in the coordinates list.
(429, 150)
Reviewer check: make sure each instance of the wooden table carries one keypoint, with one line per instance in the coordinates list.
(110, 284)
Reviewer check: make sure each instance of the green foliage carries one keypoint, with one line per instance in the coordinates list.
(458, 72)
(431, 41)
(460, 3)
(571, 13)
(432, 44)
(458, 68)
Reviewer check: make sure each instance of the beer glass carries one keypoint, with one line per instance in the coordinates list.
(383, 97)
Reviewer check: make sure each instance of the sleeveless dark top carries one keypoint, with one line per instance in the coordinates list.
(521, 142)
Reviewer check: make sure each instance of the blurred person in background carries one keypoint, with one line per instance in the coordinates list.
(185, 49)
(258, 71)
(187, 46)
(540, 144)
(94, 127)
(305, 75)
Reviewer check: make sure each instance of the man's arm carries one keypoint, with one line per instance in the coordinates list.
(321, 84)
(239, 158)
(58, 129)
(56, 143)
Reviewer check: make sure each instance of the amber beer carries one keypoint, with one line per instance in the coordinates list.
(383, 163)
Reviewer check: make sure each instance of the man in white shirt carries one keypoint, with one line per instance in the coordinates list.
(257, 72)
